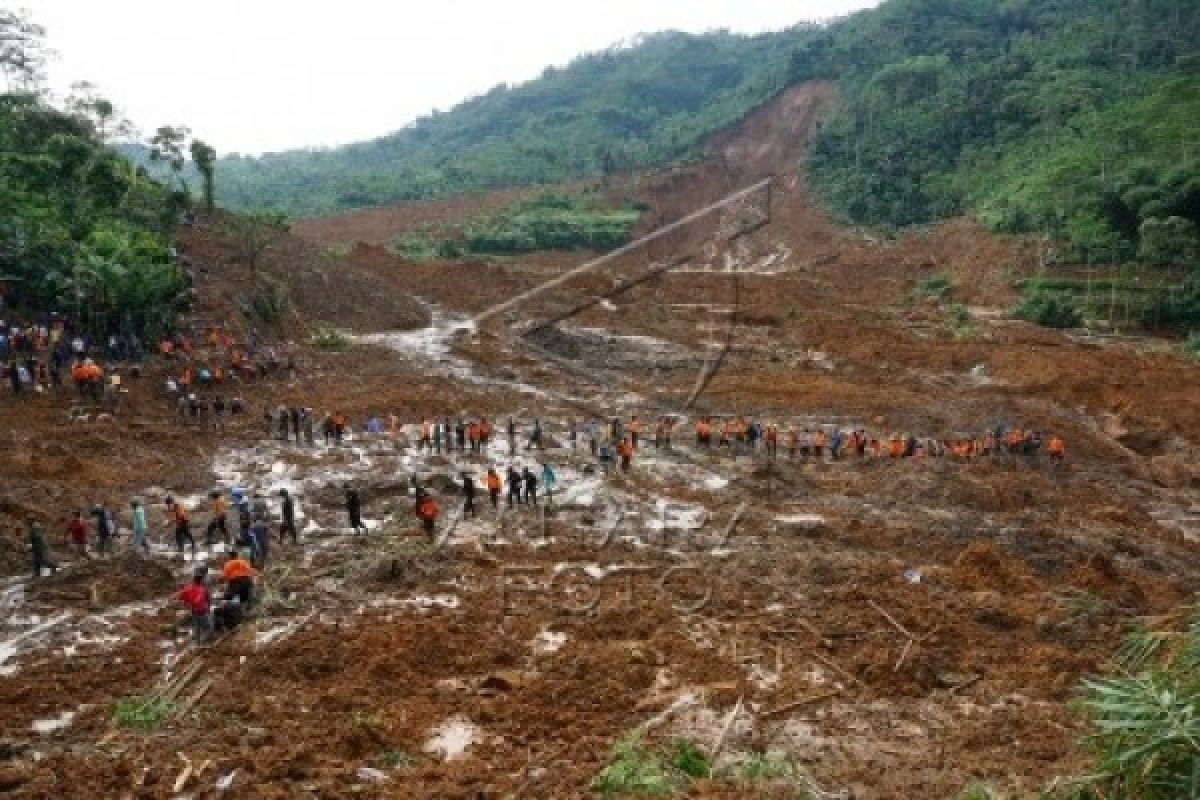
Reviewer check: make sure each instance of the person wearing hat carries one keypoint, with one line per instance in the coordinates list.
(137, 524)
(39, 550)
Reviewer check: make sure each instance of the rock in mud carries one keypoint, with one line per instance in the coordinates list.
(800, 523)
(1173, 472)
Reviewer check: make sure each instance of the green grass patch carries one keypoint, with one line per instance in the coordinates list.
(142, 712)
(328, 337)
(1191, 347)
(634, 769)
(688, 758)
(552, 222)
(1050, 310)
(264, 307)
(935, 287)
(396, 759)
(978, 791)
(424, 246)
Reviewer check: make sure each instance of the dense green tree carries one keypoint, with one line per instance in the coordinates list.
(81, 229)
(204, 159)
(1070, 118)
(168, 146)
(22, 50)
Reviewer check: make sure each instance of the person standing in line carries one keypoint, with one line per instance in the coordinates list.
(515, 484)
(531, 487)
(287, 526)
(218, 507)
(137, 524)
(468, 495)
(260, 542)
(493, 487)
(549, 482)
(183, 528)
(39, 550)
(354, 510)
(104, 533)
(625, 451)
(77, 533)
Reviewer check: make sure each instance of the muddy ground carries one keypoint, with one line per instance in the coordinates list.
(898, 629)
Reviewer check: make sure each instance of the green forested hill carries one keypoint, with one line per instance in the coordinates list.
(632, 106)
(1072, 118)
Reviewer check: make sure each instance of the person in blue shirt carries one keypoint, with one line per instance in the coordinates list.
(549, 481)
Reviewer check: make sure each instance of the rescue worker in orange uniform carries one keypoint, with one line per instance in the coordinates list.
(427, 512)
(493, 487)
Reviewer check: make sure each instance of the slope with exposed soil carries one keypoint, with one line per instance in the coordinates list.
(901, 628)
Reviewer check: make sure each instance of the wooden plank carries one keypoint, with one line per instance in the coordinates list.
(808, 701)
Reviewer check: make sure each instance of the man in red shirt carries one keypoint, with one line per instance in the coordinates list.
(77, 532)
(196, 599)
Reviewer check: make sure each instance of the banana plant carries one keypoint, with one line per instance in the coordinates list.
(1146, 718)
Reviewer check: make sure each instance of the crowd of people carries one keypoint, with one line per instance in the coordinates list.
(38, 357)
(831, 442)
(245, 527)
(205, 368)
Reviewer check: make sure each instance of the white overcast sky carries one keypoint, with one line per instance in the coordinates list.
(259, 75)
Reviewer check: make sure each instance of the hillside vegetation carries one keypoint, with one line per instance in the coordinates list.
(82, 231)
(546, 222)
(642, 105)
(1069, 118)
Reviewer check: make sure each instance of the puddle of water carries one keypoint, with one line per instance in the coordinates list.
(547, 642)
(594, 571)
(47, 726)
(451, 739)
(799, 522)
(675, 516)
(10, 646)
(422, 601)
(276, 633)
